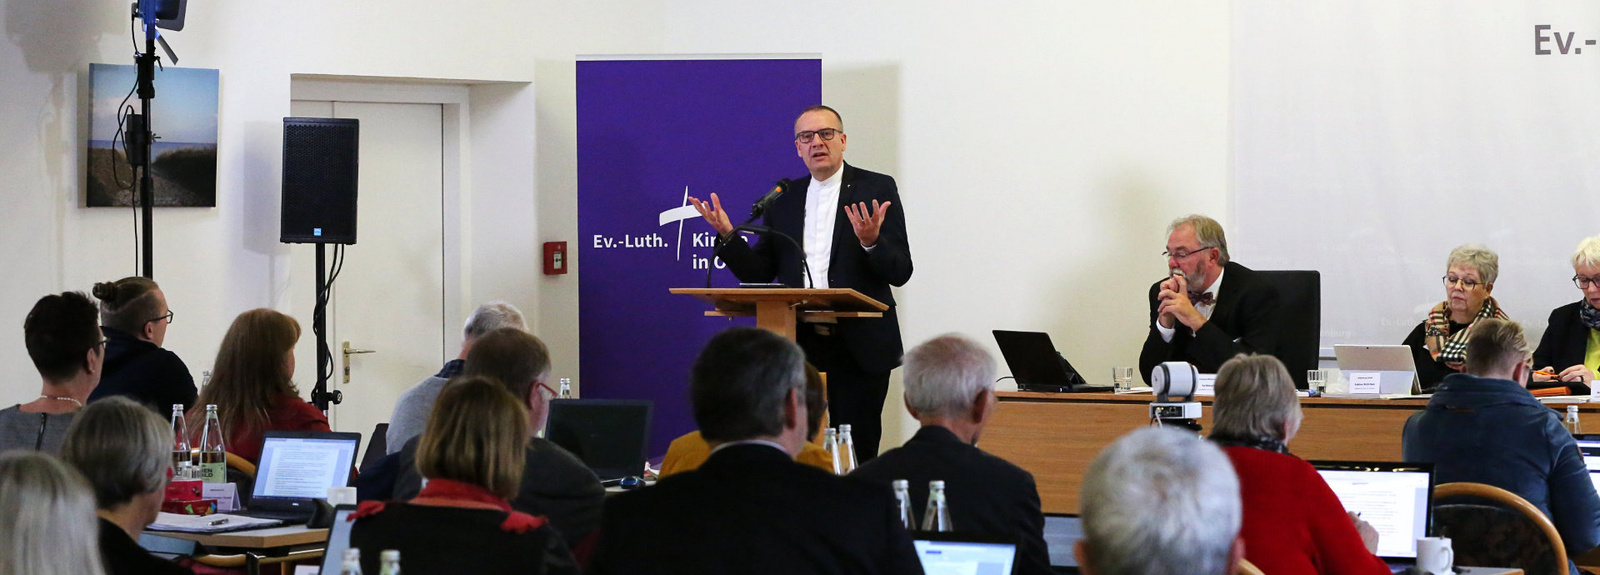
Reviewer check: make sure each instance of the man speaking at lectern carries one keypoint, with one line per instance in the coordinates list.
(854, 232)
(1209, 308)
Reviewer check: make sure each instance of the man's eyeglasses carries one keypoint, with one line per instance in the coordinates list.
(1181, 254)
(1584, 283)
(807, 136)
(1466, 284)
(167, 316)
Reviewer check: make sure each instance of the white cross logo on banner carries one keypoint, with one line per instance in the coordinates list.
(679, 214)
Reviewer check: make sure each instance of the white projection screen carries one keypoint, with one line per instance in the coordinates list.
(1371, 137)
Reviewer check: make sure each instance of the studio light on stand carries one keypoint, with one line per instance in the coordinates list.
(1174, 383)
(156, 15)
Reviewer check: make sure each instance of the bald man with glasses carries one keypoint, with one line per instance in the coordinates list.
(853, 230)
(1209, 308)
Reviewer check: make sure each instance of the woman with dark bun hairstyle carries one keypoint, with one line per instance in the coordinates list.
(134, 316)
(251, 385)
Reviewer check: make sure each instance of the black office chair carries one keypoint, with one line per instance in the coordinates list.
(1299, 320)
(377, 447)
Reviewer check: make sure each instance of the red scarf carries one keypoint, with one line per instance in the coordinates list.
(516, 521)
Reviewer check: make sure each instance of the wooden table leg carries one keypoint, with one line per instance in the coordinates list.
(776, 317)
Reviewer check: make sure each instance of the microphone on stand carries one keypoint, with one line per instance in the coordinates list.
(761, 205)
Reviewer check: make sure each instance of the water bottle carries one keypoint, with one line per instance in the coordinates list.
(389, 562)
(902, 497)
(847, 448)
(182, 459)
(830, 443)
(213, 455)
(1571, 423)
(937, 518)
(565, 391)
(352, 562)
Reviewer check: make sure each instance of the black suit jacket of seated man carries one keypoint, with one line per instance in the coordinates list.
(986, 495)
(1245, 320)
(752, 509)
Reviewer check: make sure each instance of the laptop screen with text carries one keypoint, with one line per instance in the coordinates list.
(1589, 445)
(303, 465)
(953, 554)
(1396, 498)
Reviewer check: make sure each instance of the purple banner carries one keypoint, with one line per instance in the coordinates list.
(650, 134)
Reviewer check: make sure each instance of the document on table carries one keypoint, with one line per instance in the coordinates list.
(215, 523)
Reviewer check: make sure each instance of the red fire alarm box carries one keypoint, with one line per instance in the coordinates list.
(555, 258)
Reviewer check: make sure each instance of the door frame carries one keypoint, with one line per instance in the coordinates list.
(453, 98)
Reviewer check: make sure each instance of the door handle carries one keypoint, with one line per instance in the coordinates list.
(348, 351)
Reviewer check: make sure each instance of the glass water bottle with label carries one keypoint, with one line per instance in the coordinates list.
(830, 443)
(213, 455)
(847, 449)
(182, 458)
(937, 517)
(902, 498)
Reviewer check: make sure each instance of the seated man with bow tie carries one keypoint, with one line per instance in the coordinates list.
(1208, 309)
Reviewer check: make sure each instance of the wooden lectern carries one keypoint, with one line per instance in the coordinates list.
(776, 309)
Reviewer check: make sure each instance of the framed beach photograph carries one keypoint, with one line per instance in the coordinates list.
(184, 155)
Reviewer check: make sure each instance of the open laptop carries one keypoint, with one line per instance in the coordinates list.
(1394, 363)
(963, 554)
(609, 435)
(1396, 498)
(1062, 533)
(1589, 446)
(298, 467)
(338, 540)
(1037, 366)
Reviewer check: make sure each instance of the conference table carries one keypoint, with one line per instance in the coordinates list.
(1056, 435)
(256, 547)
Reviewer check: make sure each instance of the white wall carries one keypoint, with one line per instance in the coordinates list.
(1040, 147)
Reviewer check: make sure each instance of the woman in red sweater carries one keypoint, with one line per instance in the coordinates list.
(251, 385)
(1293, 523)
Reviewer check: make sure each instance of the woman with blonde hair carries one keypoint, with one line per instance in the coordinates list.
(1293, 522)
(252, 387)
(1569, 352)
(49, 525)
(471, 454)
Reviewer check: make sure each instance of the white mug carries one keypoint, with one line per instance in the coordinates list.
(1435, 555)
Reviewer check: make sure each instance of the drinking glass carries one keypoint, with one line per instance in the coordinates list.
(1122, 379)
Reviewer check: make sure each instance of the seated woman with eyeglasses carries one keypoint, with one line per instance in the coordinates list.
(471, 453)
(64, 342)
(134, 316)
(1569, 352)
(1439, 343)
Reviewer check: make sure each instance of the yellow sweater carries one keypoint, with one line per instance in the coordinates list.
(690, 451)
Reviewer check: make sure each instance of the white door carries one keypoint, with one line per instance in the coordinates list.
(389, 296)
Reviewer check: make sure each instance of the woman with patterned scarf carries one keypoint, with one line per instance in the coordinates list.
(1439, 343)
(1570, 348)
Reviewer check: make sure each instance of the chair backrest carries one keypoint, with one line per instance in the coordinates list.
(377, 447)
(1299, 320)
(1245, 567)
(1491, 527)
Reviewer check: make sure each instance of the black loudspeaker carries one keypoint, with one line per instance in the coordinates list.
(320, 161)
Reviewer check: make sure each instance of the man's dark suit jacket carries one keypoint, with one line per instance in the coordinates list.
(1245, 320)
(875, 342)
(556, 485)
(751, 509)
(1564, 344)
(987, 495)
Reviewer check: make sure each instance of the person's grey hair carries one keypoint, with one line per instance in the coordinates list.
(49, 526)
(1478, 257)
(1159, 501)
(122, 447)
(1255, 399)
(1494, 346)
(1207, 231)
(740, 381)
(492, 316)
(1588, 254)
(944, 375)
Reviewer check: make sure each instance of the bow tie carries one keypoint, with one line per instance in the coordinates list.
(1202, 298)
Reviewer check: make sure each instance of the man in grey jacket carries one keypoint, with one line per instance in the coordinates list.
(412, 409)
